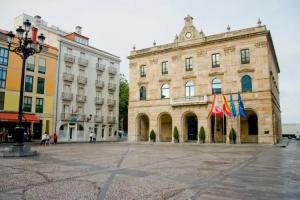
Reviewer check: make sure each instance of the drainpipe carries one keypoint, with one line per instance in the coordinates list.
(57, 85)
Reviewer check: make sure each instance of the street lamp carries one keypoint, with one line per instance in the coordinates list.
(24, 47)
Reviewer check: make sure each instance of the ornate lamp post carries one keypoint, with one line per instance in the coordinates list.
(24, 47)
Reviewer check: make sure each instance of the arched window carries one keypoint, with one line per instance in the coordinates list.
(246, 83)
(165, 91)
(216, 86)
(142, 93)
(189, 89)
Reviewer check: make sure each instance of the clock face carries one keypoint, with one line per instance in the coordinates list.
(188, 35)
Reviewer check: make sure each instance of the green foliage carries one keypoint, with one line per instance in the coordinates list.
(202, 134)
(232, 135)
(176, 134)
(152, 135)
(123, 100)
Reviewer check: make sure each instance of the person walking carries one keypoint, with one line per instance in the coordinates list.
(55, 136)
(91, 137)
(94, 138)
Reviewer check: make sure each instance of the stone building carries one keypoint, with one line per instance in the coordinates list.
(174, 84)
(87, 86)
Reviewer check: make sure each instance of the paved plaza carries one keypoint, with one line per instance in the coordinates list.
(153, 171)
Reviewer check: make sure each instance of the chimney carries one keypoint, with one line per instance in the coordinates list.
(78, 29)
(34, 33)
(37, 19)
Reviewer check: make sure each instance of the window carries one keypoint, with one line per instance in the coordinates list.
(42, 66)
(2, 77)
(216, 86)
(30, 64)
(164, 67)
(3, 56)
(189, 89)
(245, 57)
(68, 69)
(27, 104)
(2, 96)
(81, 72)
(82, 55)
(143, 71)
(40, 85)
(142, 93)
(165, 91)
(39, 104)
(98, 94)
(28, 83)
(246, 83)
(98, 112)
(80, 90)
(215, 60)
(69, 50)
(67, 88)
(189, 64)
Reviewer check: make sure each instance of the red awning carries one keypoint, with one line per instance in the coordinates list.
(13, 116)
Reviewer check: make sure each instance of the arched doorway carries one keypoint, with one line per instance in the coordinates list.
(190, 127)
(218, 129)
(249, 127)
(142, 127)
(165, 128)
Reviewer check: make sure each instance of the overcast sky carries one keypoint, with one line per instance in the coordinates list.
(115, 25)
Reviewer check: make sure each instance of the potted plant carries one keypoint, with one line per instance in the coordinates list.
(152, 136)
(232, 136)
(176, 135)
(202, 135)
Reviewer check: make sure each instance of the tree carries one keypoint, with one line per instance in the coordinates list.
(123, 102)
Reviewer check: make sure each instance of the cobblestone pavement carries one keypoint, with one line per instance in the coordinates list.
(153, 171)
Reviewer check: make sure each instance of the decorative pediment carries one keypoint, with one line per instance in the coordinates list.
(143, 82)
(189, 76)
(216, 73)
(246, 70)
(164, 79)
(189, 31)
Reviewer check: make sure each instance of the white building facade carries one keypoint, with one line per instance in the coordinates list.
(87, 90)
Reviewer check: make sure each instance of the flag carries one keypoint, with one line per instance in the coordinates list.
(215, 109)
(241, 106)
(233, 110)
(226, 107)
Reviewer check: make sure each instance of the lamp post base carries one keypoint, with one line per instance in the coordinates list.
(18, 151)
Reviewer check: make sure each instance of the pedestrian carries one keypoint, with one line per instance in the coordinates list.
(91, 137)
(55, 136)
(44, 139)
(94, 138)
(297, 135)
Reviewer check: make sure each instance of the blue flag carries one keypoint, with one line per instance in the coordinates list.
(241, 106)
(233, 110)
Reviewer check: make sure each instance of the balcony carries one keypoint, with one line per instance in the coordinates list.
(112, 70)
(67, 96)
(186, 101)
(99, 84)
(98, 118)
(112, 86)
(111, 102)
(83, 62)
(111, 120)
(80, 117)
(69, 58)
(68, 76)
(99, 100)
(100, 67)
(80, 98)
(65, 116)
(81, 80)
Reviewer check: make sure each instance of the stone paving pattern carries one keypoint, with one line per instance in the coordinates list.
(153, 171)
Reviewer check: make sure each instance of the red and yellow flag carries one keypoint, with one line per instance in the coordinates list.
(226, 107)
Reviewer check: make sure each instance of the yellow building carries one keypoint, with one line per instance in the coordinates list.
(39, 89)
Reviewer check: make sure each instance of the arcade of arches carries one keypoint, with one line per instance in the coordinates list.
(219, 127)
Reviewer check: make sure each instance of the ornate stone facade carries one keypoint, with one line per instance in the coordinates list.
(172, 85)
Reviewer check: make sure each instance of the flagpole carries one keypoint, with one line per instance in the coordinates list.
(223, 127)
(215, 127)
